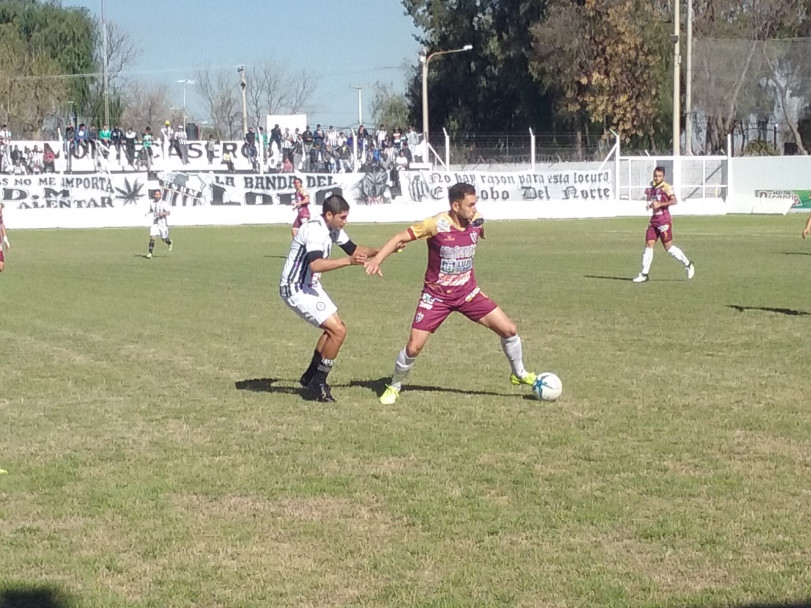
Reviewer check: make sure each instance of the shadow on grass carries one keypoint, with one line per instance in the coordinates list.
(609, 278)
(797, 253)
(628, 279)
(33, 597)
(379, 385)
(782, 311)
(265, 385)
(800, 604)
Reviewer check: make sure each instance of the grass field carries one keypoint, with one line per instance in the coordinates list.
(160, 454)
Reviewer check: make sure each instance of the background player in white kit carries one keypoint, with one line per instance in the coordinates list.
(159, 211)
(300, 287)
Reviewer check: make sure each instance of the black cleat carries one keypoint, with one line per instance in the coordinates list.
(320, 392)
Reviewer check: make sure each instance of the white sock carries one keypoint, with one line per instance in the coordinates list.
(402, 365)
(515, 354)
(647, 260)
(679, 255)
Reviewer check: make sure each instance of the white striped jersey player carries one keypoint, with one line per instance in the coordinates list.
(299, 285)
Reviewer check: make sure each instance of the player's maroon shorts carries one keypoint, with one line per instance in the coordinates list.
(659, 231)
(303, 216)
(2, 257)
(433, 310)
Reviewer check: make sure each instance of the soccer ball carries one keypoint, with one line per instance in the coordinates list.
(547, 387)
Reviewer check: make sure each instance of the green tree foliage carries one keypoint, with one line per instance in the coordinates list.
(490, 87)
(389, 108)
(603, 60)
(42, 45)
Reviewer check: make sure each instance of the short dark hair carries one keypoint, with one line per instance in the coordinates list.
(335, 204)
(459, 191)
(659, 168)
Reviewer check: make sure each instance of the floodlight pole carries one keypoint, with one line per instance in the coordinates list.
(676, 79)
(425, 57)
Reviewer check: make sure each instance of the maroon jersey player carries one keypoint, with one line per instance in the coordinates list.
(450, 285)
(660, 197)
(301, 202)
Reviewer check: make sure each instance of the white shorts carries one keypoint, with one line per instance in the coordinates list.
(161, 230)
(312, 304)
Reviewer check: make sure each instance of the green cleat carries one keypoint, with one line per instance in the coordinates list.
(390, 395)
(528, 379)
(149, 256)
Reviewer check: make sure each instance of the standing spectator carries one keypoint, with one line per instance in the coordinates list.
(5, 133)
(319, 135)
(167, 139)
(265, 142)
(80, 138)
(307, 145)
(381, 134)
(36, 163)
(182, 145)
(146, 141)
(130, 137)
(210, 147)
(332, 137)
(117, 138)
(412, 138)
(287, 165)
(49, 159)
(250, 141)
(276, 135)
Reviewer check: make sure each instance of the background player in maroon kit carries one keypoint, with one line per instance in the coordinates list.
(301, 201)
(5, 244)
(660, 197)
(450, 285)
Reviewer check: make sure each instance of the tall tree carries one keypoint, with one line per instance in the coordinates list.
(389, 107)
(604, 62)
(490, 87)
(222, 97)
(46, 53)
(273, 89)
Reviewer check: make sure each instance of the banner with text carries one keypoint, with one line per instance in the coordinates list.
(113, 199)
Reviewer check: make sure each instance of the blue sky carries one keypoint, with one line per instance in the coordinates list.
(342, 43)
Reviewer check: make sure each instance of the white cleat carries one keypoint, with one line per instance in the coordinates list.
(640, 278)
(691, 270)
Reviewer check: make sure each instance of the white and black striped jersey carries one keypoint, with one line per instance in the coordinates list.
(314, 235)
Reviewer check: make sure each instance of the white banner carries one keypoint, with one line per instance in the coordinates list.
(117, 199)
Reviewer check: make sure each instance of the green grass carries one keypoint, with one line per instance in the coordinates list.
(159, 452)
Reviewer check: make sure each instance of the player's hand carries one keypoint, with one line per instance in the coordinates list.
(372, 267)
(805, 234)
(357, 258)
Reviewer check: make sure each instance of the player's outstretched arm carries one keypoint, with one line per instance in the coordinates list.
(398, 241)
(807, 228)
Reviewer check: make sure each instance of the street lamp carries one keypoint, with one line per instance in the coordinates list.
(105, 85)
(425, 57)
(184, 82)
(243, 85)
(360, 102)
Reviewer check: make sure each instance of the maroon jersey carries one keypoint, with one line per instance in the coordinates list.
(450, 256)
(661, 194)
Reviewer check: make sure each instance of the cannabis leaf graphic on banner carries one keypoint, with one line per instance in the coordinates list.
(130, 193)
